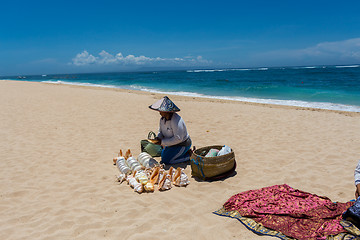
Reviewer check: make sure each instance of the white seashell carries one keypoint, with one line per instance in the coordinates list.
(180, 178)
(121, 177)
(138, 168)
(146, 163)
(166, 185)
(133, 164)
(165, 182)
(138, 187)
(132, 181)
(122, 166)
(120, 159)
(142, 177)
(184, 180)
(146, 160)
(143, 157)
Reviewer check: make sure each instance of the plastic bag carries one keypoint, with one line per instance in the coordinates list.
(224, 150)
(212, 153)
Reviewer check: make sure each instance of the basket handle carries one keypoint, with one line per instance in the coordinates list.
(151, 135)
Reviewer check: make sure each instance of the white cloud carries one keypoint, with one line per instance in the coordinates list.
(84, 58)
(325, 52)
(105, 58)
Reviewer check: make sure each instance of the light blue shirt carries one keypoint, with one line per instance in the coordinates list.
(357, 174)
(173, 131)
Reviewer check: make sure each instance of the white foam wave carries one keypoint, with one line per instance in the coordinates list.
(207, 70)
(80, 84)
(316, 105)
(306, 67)
(227, 69)
(349, 66)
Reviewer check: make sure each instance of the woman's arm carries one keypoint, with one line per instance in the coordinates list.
(357, 180)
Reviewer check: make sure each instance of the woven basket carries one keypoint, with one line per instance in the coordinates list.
(210, 167)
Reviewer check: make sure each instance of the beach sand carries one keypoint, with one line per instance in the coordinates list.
(58, 181)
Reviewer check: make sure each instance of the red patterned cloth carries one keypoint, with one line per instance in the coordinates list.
(295, 213)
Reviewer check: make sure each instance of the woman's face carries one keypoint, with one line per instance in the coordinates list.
(166, 115)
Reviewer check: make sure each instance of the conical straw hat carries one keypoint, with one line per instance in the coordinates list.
(164, 105)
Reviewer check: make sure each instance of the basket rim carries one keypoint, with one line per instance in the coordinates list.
(209, 147)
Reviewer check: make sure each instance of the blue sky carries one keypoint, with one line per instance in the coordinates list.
(44, 37)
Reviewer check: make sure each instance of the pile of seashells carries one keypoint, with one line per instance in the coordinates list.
(143, 173)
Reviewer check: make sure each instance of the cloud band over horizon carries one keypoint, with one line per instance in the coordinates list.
(345, 51)
(104, 58)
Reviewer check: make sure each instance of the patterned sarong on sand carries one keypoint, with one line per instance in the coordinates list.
(287, 213)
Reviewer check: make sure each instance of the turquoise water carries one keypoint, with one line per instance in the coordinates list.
(326, 87)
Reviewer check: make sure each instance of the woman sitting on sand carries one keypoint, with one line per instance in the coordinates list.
(172, 135)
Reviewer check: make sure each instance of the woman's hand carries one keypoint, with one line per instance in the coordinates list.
(156, 141)
(357, 191)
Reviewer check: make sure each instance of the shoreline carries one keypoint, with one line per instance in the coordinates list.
(275, 102)
(207, 98)
(58, 177)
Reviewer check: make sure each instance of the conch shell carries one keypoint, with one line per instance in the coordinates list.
(171, 173)
(154, 178)
(165, 182)
(180, 179)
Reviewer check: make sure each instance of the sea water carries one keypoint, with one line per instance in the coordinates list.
(323, 87)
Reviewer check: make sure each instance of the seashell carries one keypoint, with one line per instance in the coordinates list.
(131, 181)
(148, 172)
(149, 187)
(135, 184)
(119, 155)
(128, 154)
(180, 178)
(146, 163)
(142, 177)
(142, 157)
(133, 164)
(122, 166)
(121, 178)
(171, 172)
(146, 160)
(165, 182)
(154, 178)
(138, 168)
(138, 188)
(161, 173)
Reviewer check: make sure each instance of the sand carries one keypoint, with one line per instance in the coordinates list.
(58, 181)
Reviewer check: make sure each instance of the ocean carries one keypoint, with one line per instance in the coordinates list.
(323, 87)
